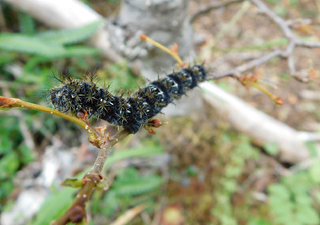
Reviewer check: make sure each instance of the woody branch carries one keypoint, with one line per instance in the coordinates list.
(287, 53)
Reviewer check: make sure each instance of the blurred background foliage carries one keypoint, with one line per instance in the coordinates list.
(215, 173)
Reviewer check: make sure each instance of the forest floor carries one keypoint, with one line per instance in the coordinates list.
(197, 141)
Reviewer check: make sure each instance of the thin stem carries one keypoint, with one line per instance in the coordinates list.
(15, 102)
(105, 150)
(76, 213)
(211, 6)
(276, 99)
(163, 48)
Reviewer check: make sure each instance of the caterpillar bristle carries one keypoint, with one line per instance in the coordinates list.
(57, 77)
(127, 109)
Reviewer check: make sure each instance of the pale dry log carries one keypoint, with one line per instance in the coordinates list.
(65, 14)
(259, 125)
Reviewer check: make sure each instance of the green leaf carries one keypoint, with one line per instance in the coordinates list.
(5, 144)
(317, 196)
(26, 154)
(140, 185)
(111, 203)
(307, 215)
(300, 188)
(54, 206)
(26, 23)
(228, 220)
(303, 199)
(259, 222)
(7, 57)
(70, 36)
(233, 171)
(279, 191)
(272, 1)
(312, 148)
(69, 52)
(132, 153)
(71, 182)
(271, 148)
(192, 170)
(6, 188)
(245, 149)
(293, 2)
(27, 44)
(76, 51)
(230, 185)
(9, 164)
(314, 171)
(127, 174)
(226, 138)
(280, 206)
(287, 219)
(283, 212)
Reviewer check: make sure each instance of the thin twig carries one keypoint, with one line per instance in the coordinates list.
(129, 215)
(105, 150)
(91, 180)
(245, 67)
(7, 103)
(173, 54)
(212, 6)
(286, 53)
(288, 33)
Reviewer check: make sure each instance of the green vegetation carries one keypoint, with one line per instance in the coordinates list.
(13, 155)
(238, 152)
(128, 189)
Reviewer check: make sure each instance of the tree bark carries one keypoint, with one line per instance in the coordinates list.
(166, 22)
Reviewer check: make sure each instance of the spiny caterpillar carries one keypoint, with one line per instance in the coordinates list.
(131, 112)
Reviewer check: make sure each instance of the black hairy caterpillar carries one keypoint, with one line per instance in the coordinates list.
(131, 112)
